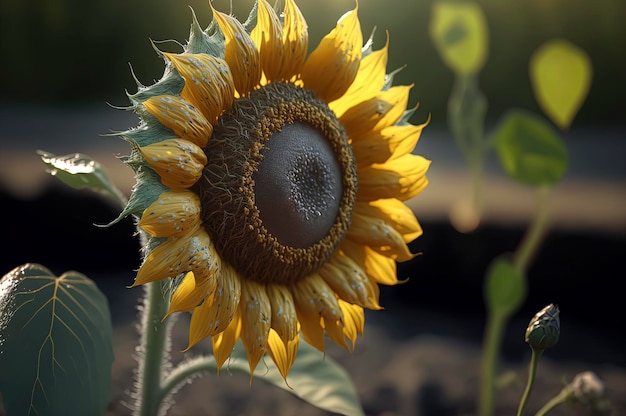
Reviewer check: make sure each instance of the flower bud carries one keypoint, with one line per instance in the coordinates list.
(544, 328)
(587, 387)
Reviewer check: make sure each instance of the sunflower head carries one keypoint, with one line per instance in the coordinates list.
(271, 185)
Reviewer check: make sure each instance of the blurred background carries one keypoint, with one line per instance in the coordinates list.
(66, 66)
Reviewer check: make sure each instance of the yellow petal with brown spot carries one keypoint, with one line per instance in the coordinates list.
(209, 84)
(190, 293)
(380, 268)
(194, 252)
(241, 53)
(379, 112)
(172, 214)
(395, 213)
(349, 281)
(267, 35)
(388, 143)
(178, 162)
(317, 309)
(256, 318)
(400, 178)
(284, 319)
(332, 66)
(224, 342)
(353, 321)
(185, 120)
(369, 81)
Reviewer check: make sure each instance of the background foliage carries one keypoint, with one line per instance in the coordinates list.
(66, 50)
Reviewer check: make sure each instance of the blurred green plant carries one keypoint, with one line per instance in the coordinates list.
(530, 151)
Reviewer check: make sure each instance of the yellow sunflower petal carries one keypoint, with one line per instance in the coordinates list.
(268, 38)
(217, 311)
(256, 314)
(209, 84)
(380, 268)
(380, 236)
(241, 53)
(395, 213)
(282, 352)
(224, 342)
(178, 162)
(353, 319)
(317, 309)
(284, 319)
(389, 143)
(332, 66)
(401, 178)
(190, 293)
(295, 42)
(172, 214)
(349, 281)
(179, 115)
(368, 83)
(379, 112)
(191, 252)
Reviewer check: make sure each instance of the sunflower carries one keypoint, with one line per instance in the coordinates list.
(270, 185)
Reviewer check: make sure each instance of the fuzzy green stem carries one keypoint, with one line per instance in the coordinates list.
(557, 400)
(491, 345)
(532, 373)
(153, 348)
(184, 372)
(532, 239)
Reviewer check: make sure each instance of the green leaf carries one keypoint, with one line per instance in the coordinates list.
(314, 377)
(459, 32)
(530, 150)
(55, 344)
(560, 74)
(505, 286)
(81, 171)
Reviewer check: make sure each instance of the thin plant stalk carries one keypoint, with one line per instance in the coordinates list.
(532, 373)
(490, 353)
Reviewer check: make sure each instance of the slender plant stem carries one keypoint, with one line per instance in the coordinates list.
(532, 239)
(490, 353)
(557, 400)
(532, 373)
(184, 372)
(153, 347)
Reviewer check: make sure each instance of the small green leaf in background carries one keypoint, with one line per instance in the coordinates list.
(81, 171)
(530, 150)
(314, 377)
(505, 286)
(560, 73)
(459, 31)
(56, 346)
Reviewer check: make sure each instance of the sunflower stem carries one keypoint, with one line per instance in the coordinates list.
(564, 395)
(532, 373)
(153, 351)
(184, 372)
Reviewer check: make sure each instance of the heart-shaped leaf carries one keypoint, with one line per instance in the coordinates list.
(530, 150)
(55, 344)
(459, 31)
(560, 73)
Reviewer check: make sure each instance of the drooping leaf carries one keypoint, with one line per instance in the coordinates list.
(505, 286)
(530, 150)
(55, 344)
(81, 171)
(315, 378)
(560, 73)
(460, 34)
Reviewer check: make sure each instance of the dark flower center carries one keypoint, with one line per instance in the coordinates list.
(279, 186)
